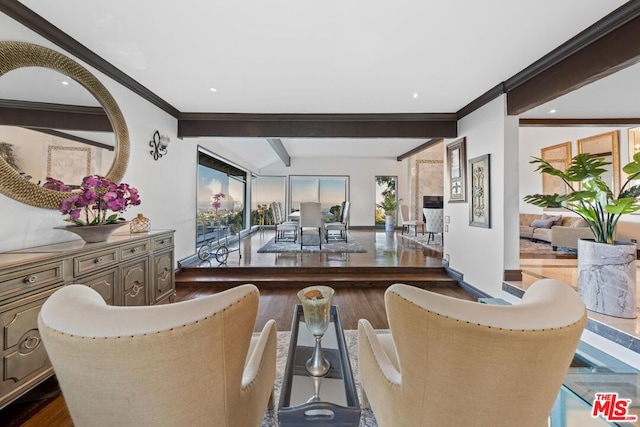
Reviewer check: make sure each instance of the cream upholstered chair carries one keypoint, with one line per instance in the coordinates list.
(310, 221)
(407, 222)
(452, 362)
(340, 226)
(192, 363)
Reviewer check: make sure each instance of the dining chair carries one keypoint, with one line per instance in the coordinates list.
(285, 230)
(341, 226)
(310, 221)
(407, 222)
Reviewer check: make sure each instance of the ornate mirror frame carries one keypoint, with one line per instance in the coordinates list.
(14, 55)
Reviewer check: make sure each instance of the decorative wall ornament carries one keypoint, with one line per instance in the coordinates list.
(159, 143)
(479, 183)
(456, 163)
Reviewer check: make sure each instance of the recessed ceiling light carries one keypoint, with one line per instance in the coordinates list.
(415, 95)
(213, 89)
(553, 111)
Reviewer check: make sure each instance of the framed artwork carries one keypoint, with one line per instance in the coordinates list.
(480, 206)
(560, 158)
(456, 163)
(605, 145)
(68, 164)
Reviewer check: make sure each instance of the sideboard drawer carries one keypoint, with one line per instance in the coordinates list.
(95, 261)
(163, 242)
(132, 251)
(28, 280)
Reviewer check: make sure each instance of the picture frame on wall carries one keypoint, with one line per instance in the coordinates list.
(456, 164)
(479, 184)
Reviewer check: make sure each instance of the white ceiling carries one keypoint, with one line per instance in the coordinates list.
(298, 56)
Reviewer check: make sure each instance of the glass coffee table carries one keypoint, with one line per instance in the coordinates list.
(331, 400)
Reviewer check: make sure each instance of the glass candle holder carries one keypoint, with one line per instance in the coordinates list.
(316, 305)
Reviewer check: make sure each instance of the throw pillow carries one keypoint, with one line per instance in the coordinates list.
(580, 222)
(557, 219)
(542, 223)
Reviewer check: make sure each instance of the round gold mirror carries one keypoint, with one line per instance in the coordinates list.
(14, 55)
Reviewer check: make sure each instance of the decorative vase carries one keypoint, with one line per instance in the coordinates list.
(316, 305)
(388, 224)
(607, 277)
(93, 233)
(140, 224)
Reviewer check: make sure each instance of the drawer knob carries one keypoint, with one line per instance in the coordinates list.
(162, 242)
(31, 342)
(98, 260)
(31, 279)
(134, 250)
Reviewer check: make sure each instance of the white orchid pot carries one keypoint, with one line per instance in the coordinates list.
(607, 277)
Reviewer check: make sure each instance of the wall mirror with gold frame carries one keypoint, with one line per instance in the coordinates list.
(605, 145)
(559, 156)
(98, 143)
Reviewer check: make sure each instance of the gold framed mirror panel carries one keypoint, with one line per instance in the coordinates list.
(559, 156)
(14, 55)
(605, 145)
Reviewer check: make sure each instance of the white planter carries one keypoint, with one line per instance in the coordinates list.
(388, 223)
(607, 277)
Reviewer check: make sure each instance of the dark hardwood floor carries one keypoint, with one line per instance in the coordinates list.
(278, 302)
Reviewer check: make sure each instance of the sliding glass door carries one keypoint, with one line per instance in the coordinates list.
(330, 191)
(221, 194)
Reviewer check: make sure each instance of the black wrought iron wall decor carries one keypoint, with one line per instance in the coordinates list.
(159, 143)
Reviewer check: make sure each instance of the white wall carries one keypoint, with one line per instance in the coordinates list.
(362, 173)
(479, 253)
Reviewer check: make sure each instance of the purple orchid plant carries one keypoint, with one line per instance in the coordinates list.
(96, 198)
(216, 204)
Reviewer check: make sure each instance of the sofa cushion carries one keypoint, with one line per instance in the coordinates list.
(579, 222)
(543, 223)
(557, 219)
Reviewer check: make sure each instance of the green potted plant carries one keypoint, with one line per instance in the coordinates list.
(389, 205)
(602, 258)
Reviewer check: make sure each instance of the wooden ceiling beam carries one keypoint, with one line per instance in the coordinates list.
(606, 47)
(319, 125)
(280, 150)
(419, 148)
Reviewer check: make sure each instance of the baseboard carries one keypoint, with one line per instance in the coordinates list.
(459, 277)
(512, 275)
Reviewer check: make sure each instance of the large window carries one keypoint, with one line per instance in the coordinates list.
(330, 191)
(221, 195)
(264, 190)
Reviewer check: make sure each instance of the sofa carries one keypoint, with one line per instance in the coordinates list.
(559, 230)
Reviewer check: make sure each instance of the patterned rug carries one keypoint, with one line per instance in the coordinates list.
(526, 245)
(367, 419)
(531, 247)
(311, 245)
(435, 243)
